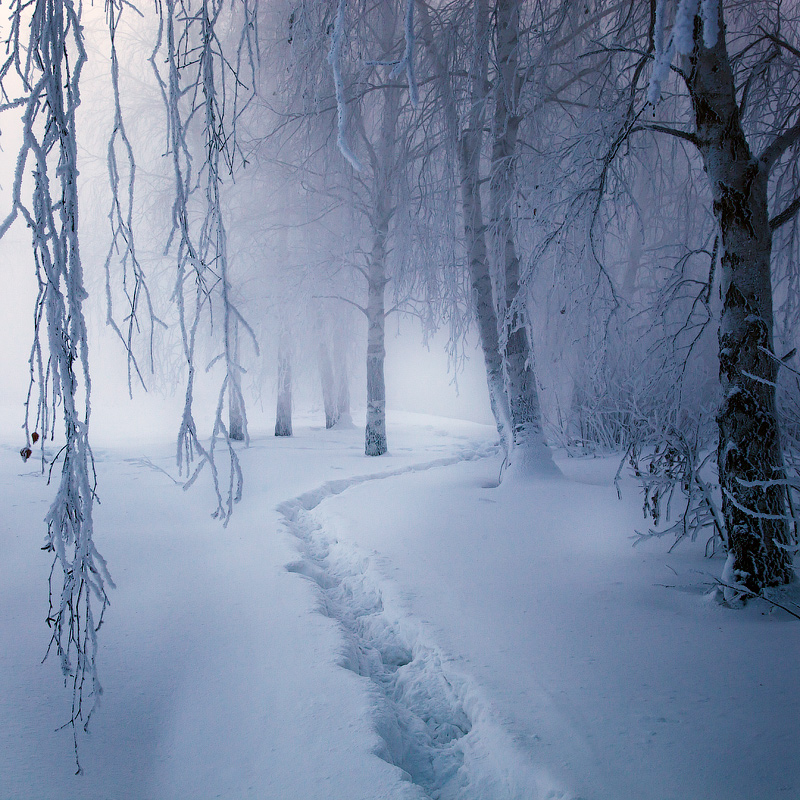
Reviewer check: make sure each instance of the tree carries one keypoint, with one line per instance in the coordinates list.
(367, 109)
(204, 92)
(529, 449)
(753, 481)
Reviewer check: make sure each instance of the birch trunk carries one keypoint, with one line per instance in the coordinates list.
(283, 414)
(237, 419)
(529, 451)
(469, 157)
(383, 167)
(326, 379)
(345, 418)
(750, 460)
(375, 434)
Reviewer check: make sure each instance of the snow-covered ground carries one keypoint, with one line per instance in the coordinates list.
(391, 628)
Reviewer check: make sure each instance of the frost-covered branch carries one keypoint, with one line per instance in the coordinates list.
(681, 40)
(123, 245)
(205, 93)
(49, 66)
(334, 59)
(406, 63)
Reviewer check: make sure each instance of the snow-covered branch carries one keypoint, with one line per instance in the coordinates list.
(334, 59)
(203, 92)
(49, 65)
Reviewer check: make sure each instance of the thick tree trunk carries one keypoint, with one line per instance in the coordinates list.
(283, 414)
(529, 451)
(751, 467)
(469, 155)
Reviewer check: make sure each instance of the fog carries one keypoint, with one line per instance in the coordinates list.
(250, 236)
(420, 375)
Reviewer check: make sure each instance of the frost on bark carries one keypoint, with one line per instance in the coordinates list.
(375, 433)
(383, 163)
(751, 470)
(528, 450)
(283, 412)
(469, 154)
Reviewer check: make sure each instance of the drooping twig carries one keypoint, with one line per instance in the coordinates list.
(49, 66)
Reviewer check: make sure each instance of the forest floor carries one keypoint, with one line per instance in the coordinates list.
(398, 627)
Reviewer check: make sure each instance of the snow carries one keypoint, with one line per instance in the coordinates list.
(681, 40)
(710, 13)
(683, 32)
(398, 627)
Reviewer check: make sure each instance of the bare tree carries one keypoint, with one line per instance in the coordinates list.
(366, 115)
(529, 449)
(753, 481)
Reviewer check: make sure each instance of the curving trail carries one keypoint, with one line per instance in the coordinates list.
(426, 710)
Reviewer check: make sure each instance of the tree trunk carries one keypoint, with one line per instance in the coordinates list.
(283, 415)
(750, 461)
(375, 434)
(469, 155)
(345, 418)
(326, 379)
(237, 418)
(383, 168)
(529, 451)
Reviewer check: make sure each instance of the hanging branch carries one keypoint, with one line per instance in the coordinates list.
(335, 59)
(406, 63)
(49, 67)
(120, 215)
(681, 40)
(200, 80)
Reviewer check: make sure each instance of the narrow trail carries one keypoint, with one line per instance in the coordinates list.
(432, 720)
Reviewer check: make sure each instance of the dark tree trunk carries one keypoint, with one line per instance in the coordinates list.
(751, 467)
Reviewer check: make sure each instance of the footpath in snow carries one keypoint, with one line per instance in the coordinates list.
(612, 668)
(391, 628)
